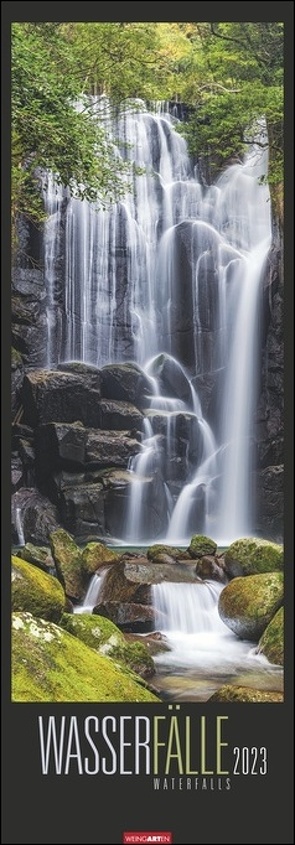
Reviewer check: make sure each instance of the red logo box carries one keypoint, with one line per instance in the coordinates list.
(147, 837)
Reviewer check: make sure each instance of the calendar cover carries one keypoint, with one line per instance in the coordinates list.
(147, 337)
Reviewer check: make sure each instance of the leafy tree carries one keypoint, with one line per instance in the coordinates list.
(47, 131)
(242, 67)
(229, 75)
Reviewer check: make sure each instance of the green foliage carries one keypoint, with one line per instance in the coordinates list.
(229, 74)
(242, 65)
(48, 132)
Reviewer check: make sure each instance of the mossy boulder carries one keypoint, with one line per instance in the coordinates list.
(271, 644)
(102, 635)
(251, 556)
(201, 545)
(68, 562)
(34, 591)
(96, 555)
(38, 555)
(246, 605)
(246, 694)
(49, 664)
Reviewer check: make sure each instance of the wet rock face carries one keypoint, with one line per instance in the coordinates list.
(129, 616)
(29, 322)
(126, 382)
(269, 429)
(17, 378)
(35, 513)
(70, 446)
(62, 397)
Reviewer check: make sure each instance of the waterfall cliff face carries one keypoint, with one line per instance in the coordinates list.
(170, 278)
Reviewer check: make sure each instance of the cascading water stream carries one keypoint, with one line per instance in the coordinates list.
(92, 594)
(202, 652)
(175, 269)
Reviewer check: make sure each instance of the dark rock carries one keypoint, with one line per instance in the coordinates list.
(126, 382)
(17, 473)
(82, 509)
(29, 282)
(93, 374)
(153, 506)
(29, 322)
(269, 429)
(31, 340)
(208, 568)
(155, 641)
(36, 514)
(204, 385)
(127, 615)
(132, 581)
(17, 378)
(71, 445)
(171, 376)
(270, 502)
(157, 549)
(110, 448)
(63, 397)
(119, 415)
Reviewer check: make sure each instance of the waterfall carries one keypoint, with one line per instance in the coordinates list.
(189, 608)
(170, 277)
(202, 650)
(19, 526)
(92, 594)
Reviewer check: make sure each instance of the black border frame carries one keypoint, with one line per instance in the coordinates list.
(76, 809)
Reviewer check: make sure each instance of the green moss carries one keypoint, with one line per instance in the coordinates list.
(153, 552)
(96, 555)
(49, 664)
(39, 555)
(34, 591)
(271, 643)
(247, 605)
(104, 636)
(251, 556)
(16, 359)
(201, 545)
(245, 694)
(68, 561)
(138, 658)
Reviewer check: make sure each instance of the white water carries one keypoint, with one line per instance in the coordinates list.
(200, 644)
(92, 594)
(19, 526)
(174, 268)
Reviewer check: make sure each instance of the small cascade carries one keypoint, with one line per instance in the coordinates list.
(19, 526)
(92, 595)
(52, 246)
(203, 653)
(187, 608)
